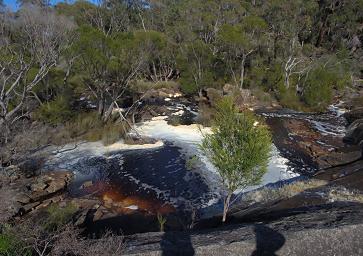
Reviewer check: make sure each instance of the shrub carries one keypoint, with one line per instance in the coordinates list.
(59, 216)
(238, 147)
(56, 111)
(320, 85)
(318, 91)
(191, 162)
(11, 244)
(289, 99)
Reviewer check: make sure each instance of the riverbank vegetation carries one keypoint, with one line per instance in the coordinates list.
(299, 53)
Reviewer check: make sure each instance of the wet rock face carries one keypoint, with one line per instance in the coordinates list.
(354, 115)
(308, 148)
(354, 134)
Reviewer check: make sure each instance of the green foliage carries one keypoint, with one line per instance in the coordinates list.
(161, 221)
(90, 127)
(195, 63)
(191, 162)
(267, 77)
(234, 38)
(289, 99)
(238, 147)
(55, 112)
(59, 216)
(11, 244)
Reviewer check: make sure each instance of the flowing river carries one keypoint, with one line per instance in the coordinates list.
(170, 176)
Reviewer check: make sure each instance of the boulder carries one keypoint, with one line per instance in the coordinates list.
(353, 115)
(354, 134)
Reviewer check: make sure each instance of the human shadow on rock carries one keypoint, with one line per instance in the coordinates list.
(176, 244)
(268, 241)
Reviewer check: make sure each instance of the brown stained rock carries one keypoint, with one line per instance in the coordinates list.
(56, 186)
(84, 203)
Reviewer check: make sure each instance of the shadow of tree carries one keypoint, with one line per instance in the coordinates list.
(174, 244)
(268, 241)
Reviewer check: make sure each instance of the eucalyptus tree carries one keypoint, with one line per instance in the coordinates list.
(195, 62)
(31, 44)
(159, 54)
(238, 42)
(238, 147)
(338, 22)
(110, 63)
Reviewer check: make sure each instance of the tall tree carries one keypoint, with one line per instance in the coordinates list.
(238, 42)
(110, 63)
(31, 46)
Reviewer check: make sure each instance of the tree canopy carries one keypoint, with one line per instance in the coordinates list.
(300, 52)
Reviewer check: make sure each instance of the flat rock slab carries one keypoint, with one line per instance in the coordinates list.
(253, 240)
(335, 231)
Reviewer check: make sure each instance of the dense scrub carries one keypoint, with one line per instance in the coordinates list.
(300, 53)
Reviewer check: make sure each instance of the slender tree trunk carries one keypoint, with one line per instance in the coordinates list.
(108, 113)
(101, 106)
(287, 80)
(226, 206)
(242, 72)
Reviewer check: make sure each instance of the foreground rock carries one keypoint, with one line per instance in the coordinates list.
(354, 115)
(334, 231)
(20, 195)
(354, 134)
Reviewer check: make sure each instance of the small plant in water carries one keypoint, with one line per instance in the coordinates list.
(191, 162)
(162, 221)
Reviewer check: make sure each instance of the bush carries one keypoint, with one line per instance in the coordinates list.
(289, 99)
(191, 162)
(238, 147)
(59, 216)
(320, 85)
(11, 245)
(56, 111)
(318, 91)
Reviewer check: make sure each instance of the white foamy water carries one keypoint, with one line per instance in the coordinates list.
(188, 137)
(66, 156)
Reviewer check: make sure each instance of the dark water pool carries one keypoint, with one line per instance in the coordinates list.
(140, 184)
